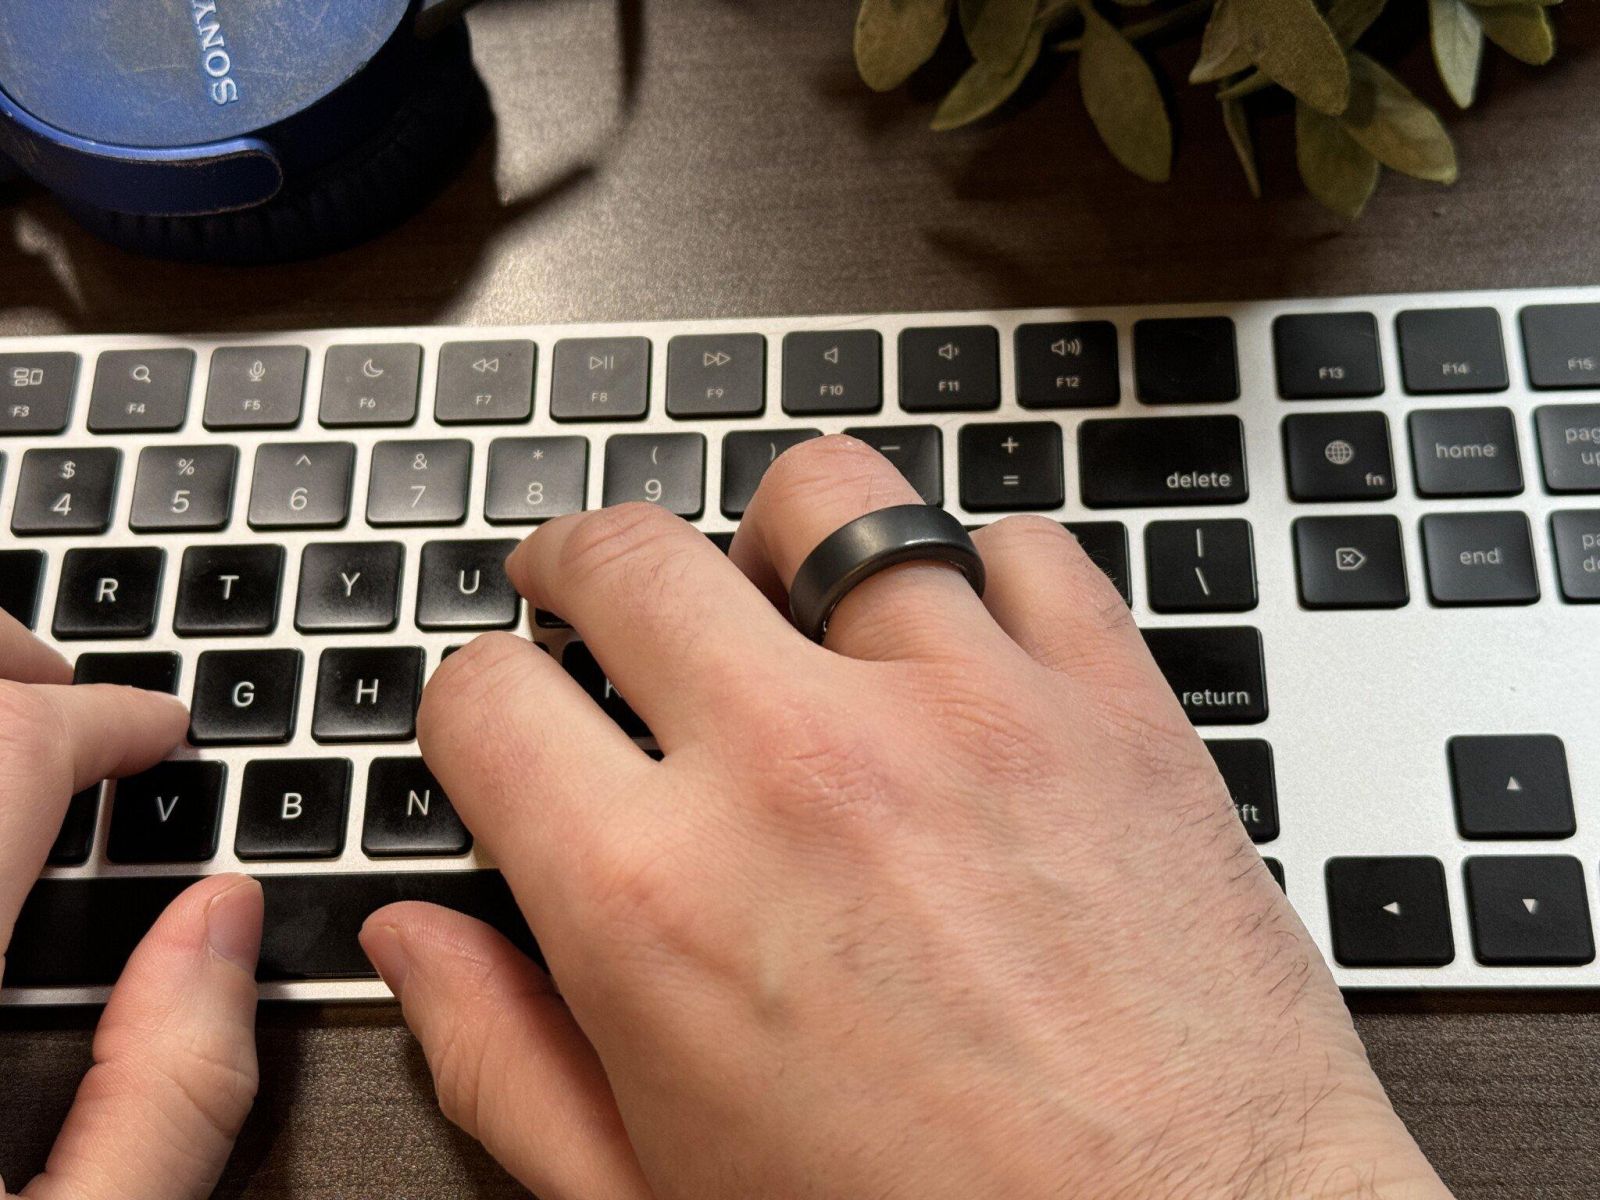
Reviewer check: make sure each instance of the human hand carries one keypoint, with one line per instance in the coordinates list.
(955, 906)
(174, 1054)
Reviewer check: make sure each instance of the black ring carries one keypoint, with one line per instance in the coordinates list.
(873, 543)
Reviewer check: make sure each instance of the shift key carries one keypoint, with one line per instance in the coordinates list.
(1139, 461)
(1217, 673)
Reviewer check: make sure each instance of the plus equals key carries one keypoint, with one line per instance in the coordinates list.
(1012, 466)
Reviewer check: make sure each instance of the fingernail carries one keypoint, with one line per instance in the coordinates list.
(384, 947)
(233, 924)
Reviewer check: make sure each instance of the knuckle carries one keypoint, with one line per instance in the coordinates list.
(466, 683)
(831, 464)
(817, 766)
(618, 538)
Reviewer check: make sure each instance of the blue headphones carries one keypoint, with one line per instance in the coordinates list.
(238, 130)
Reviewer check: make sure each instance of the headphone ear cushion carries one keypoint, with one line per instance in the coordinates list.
(370, 188)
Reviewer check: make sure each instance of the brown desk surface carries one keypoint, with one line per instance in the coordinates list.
(721, 160)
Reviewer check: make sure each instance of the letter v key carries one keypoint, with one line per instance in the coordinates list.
(165, 806)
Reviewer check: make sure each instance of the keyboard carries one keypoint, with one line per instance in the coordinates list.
(1362, 538)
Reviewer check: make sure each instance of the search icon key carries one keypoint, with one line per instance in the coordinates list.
(141, 373)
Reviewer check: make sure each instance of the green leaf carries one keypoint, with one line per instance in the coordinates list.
(1289, 40)
(1457, 47)
(986, 87)
(1349, 19)
(1221, 51)
(1337, 171)
(1238, 123)
(895, 37)
(1124, 100)
(1524, 32)
(1395, 127)
(997, 30)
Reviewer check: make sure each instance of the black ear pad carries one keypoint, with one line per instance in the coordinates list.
(368, 189)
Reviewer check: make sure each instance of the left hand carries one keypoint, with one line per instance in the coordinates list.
(174, 1055)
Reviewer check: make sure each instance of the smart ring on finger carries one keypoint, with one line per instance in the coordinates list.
(872, 543)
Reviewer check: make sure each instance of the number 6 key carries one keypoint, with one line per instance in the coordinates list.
(302, 485)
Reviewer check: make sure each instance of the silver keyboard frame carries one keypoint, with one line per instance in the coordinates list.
(1361, 704)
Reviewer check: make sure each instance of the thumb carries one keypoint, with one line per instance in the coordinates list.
(509, 1063)
(174, 1058)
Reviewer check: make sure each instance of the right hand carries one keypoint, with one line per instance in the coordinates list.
(957, 906)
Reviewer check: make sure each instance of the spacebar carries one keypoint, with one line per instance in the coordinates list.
(80, 932)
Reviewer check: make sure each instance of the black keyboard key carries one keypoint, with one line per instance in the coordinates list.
(1218, 674)
(1338, 456)
(1389, 912)
(302, 485)
(485, 383)
(66, 491)
(419, 483)
(746, 455)
(1569, 446)
(256, 387)
(349, 587)
(832, 373)
(368, 694)
(1529, 911)
(717, 375)
(1327, 356)
(581, 665)
(1511, 786)
(183, 488)
(1350, 562)
(1200, 566)
(1576, 536)
(1185, 360)
(1245, 765)
(1106, 544)
(1067, 364)
(463, 585)
(108, 593)
(950, 369)
(293, 808)
(228, 591)
(1130, 463)
(21, 580)
(1452, 350)
(75, 838)
(1563, 345)
(1465, 452)
(1276, 869)
(311, 921)
(408, 813)
(141, 391)
(668, 469)
(168, 814)
(36, 392)
(244, 697)
(370, 385)
(601, 379)
(1479, 558)
(534, 479)
(917, 450)
(152, 670)
(1014, 465)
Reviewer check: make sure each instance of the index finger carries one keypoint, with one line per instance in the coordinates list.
(25, 659)
(55, 741)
